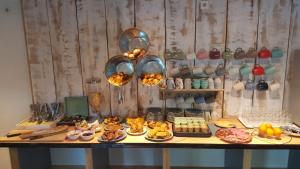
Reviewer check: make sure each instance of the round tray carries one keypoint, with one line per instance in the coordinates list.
(136, 134)
(115, 140)
(224, 124)
(159, 140)
(284, 139)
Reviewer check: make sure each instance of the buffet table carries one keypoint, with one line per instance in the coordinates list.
(39, 148)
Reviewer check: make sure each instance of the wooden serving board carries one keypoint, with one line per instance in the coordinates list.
(41, 133)
(54, 138)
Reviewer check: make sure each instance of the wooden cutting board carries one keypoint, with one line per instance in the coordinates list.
(47, 132)
(56, 134)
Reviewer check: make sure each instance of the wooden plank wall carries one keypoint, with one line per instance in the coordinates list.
(69, 42)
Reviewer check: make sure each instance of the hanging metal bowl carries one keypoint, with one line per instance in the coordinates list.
(119, 70)
(150, 70)
(134, 43)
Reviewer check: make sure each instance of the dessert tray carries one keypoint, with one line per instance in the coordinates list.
(190, 127)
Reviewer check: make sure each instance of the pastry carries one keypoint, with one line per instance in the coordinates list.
(184, 128)
(177, 128)
(204, 128)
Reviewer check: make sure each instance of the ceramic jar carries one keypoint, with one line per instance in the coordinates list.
(189, 100)
(204, 83)
(218, 83)
(202, 54)
(179, 83)
(170, 83)
(211, 84)
(214, 54)
(239, 53)
(262, 85)
(270, 69)
(275, 86)
(258, 70)
(209, 70)
(220, 70)
(196, 83)
(251, 53)
(245, 70)
(197, 70)
(227, 54)
(187, 83)
(250, 85)
(277, 52)
(264, 53)
(238, 86)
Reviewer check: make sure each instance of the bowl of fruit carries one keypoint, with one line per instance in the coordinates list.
(266, 130)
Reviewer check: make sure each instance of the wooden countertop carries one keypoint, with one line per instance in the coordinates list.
(140, 141)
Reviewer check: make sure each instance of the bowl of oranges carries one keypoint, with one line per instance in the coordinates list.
(266, 130)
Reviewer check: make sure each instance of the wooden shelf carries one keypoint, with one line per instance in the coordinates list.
(171, 93)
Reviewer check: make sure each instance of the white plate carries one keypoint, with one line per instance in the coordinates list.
(136, 134)
(160, 139)
(116, 140)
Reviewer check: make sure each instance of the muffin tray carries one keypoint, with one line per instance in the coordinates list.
(191, 134)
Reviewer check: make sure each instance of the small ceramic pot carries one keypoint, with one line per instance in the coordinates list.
(170, 83)
(179, 54)
(218, 83)
(204, 83)
(179, 83)
(191, 56)
(250, 85)
(214, 54)
(210, 98)
(277, 52)
(179, 100)
(233, 71)
(239, 53)
(197, 70)
(238, 86)
(275, 86)
(220, 70)
(264, 53)
(209, 69)
(211, 84)
(199, 99)
(185, 71)
(227, 54)
(258, 70)
(262, 85)
(270, 69)
(174, 71)
(245, 70)
(189, 100)
(251, 53)
(187, 83)
(202, 54)
(196, 83)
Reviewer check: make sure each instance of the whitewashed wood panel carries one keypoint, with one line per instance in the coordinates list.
(273, 31)
(93, 46)
(292, 81)
(120, 16)
(39, 50)
(211, 25)
(241, 32)
(211, 33)
(180, 31)
(65, 48)
(150, 17)
(180, 25)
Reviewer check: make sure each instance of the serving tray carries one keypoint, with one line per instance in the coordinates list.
(189, 134)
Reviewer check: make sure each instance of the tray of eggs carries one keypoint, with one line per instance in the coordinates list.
(190, 127)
